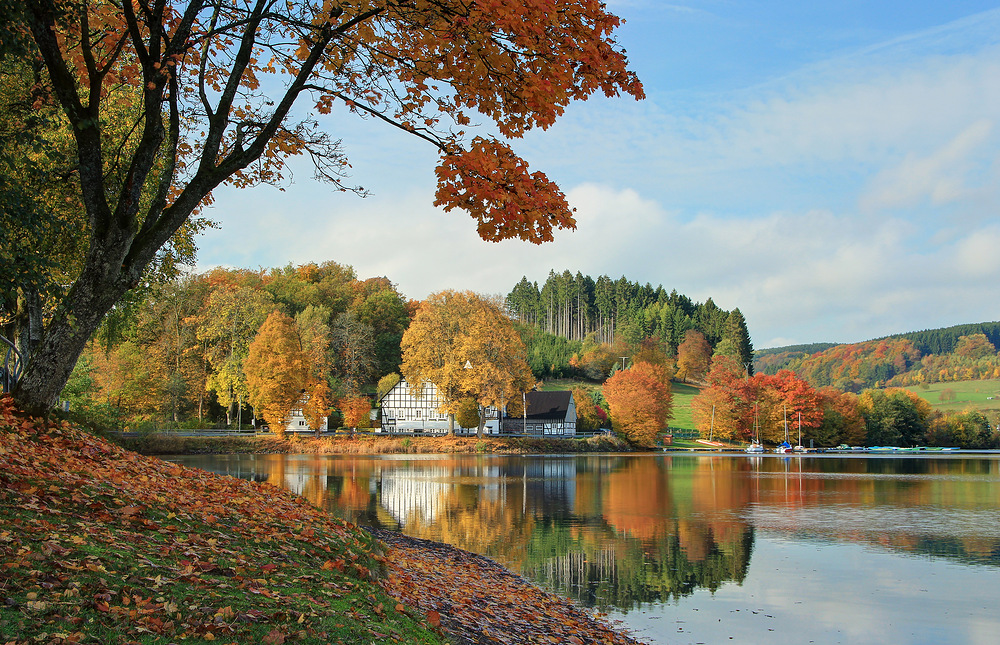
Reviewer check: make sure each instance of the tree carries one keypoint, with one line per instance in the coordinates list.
(356, 411)
(736, 340)
(694, 356)
(975, 346)
(496, 371)
(468, 413)
(318, 404)
(276, 370)
(640, 400)
(221, 82)
(894, 417)
(466, 347)
(354, 345)
(385, 384)
(230, 321)
(587, 419)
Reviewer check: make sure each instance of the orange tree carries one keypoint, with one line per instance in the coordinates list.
(640, 400)
(230, 90)
(276, 370)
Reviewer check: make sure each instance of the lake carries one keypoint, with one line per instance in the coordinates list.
(700, 548)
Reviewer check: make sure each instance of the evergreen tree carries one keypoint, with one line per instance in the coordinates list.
(736, 333)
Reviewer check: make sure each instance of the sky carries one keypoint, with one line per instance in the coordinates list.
(832, 169)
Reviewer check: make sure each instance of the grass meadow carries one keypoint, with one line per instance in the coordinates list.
(959, 396)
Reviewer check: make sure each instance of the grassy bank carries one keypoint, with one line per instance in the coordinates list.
(168, 444)
(101, 545)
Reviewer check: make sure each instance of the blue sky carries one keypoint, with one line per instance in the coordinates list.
(832, 169)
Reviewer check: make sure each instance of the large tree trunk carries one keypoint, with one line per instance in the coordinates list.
(99, 287)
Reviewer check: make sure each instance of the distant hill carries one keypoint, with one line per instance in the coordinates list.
(769, 361)
(958, 353)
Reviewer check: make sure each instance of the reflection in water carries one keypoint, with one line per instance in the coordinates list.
(622, 531)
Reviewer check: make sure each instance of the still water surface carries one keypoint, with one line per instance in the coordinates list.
(700, 548)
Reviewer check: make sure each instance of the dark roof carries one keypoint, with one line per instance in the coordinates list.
(548, 405)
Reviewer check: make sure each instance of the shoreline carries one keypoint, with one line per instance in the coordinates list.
(166, 443)
(508, 610)
(99, 544)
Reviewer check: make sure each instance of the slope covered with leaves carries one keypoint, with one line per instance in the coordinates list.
(102, 545)
(98, 544)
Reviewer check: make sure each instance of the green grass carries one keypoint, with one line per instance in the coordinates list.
(682, 417)
(968, 395)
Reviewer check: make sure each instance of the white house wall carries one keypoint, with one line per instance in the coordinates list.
(403, 412)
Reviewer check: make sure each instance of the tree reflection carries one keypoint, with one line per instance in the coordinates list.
(624, 530)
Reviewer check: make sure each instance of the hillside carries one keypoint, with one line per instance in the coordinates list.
(958, 353)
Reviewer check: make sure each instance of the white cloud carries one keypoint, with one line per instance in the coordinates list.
(938, 178)
(852, 199)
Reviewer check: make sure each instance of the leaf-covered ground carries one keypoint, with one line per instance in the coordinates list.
(102, 545)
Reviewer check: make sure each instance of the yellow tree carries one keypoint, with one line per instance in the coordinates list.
(640, 402)
(231, 318)
(466, 346)
(496, 370)
(230, 90)
(276, 370)
(318, 404)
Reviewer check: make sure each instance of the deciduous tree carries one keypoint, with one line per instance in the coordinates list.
(694, 356)
(276, 370)
(221, 85)
(467, 347)
(640, 400)
(232, 317)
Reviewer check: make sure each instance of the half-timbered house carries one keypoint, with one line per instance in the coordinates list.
(550, 413)
(416, 411)
(406, 411)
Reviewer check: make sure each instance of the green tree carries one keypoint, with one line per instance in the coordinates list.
(228, 325)
(736, 340)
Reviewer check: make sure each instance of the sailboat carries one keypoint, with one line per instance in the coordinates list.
(755, 447)
(799, 447)
(784, 446)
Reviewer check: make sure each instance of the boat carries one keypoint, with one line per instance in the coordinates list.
(755, 447)
(784, 446)
(799, 447)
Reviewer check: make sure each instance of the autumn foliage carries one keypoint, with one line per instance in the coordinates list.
(276, 369)
(99, 544)
(227, 93)
(640, 402)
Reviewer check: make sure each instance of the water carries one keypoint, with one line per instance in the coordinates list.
(700, 548)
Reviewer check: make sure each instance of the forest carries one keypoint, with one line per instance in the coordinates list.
(958, 353)
(179, 354)
(572, 313)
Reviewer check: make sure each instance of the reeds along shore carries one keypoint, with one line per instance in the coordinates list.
(170, 444)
